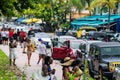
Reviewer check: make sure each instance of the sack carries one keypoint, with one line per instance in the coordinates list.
(33, 47)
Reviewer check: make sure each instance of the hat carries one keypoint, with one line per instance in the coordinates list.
(67, 61)
(39, 39)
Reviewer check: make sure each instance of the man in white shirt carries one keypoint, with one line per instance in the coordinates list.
(42, 51)
(4, 35)
(84, 33)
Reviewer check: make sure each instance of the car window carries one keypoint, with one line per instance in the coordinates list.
(82, 47)
(75, 44)
(110, 51)
(41, 35)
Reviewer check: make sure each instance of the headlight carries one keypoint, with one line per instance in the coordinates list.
(111, 65)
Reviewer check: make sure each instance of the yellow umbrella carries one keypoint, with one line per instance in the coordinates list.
(31, 20)
(39, 21)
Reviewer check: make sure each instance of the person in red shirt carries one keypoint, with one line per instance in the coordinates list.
(11, 32)
(21, 36)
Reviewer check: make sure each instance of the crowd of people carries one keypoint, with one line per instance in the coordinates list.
(12, 37)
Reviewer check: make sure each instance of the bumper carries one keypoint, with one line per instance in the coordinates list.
(108, 74)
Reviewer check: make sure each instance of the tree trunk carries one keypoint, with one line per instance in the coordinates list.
(70, 15)
(100, 11)
(109, 18)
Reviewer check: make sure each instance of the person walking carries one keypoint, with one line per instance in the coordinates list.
(42, 51)
(24, 43)
(4, 35)
(12, 54)
(29, 51)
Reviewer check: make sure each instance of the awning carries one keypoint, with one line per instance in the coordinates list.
(21, 20)
(31, 20)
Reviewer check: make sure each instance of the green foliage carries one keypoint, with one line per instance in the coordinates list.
(7, 72)
(86, 72)
(65, 25)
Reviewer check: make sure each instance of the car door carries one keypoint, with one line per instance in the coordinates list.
(60, 52)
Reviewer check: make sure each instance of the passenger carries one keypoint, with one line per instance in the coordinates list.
(67, 72)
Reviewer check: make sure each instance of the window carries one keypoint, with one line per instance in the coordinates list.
(82, 47)
(94, 50)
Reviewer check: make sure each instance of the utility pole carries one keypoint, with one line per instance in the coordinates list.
(108, 16)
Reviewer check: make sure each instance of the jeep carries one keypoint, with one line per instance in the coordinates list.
(103, 58)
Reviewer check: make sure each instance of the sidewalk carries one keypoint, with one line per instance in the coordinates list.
(35, 70)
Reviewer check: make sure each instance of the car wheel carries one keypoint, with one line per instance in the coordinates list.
(113, 78)
(100, 74)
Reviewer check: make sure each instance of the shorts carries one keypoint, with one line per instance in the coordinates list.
(12, 54)
(4, 38)
(24, 44)
(42, 55)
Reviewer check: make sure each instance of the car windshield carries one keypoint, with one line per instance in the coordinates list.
(75, 44)
(110, 51)
(65, 39)
(41, 35)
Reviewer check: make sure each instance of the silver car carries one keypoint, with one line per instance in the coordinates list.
(116, 73)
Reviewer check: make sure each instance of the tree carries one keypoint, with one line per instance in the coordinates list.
(110, 4)
(7, 7)
(76, 4)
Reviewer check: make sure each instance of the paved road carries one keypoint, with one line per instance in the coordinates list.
(35, 70)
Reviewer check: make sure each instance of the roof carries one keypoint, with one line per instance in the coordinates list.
(95, 21)
(87, 27)
(107, 44)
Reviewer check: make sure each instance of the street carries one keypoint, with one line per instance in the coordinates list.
(33, 72)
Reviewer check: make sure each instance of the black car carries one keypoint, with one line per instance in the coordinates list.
(32, 32)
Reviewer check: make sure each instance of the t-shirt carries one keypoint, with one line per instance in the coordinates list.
(11, 33)
(84, 32)
(22, 33)
(42, 48)
(3, 34)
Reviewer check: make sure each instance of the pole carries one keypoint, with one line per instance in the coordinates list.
(108, 16)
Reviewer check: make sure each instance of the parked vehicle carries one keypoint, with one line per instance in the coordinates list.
(44, 36)
(63, 38)
(116, 35)
(116, 73)
(72, 33)
(87, 29)
(103, 58)
(103, 36)
(31, 33)
(85, 46)
(68, 48)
